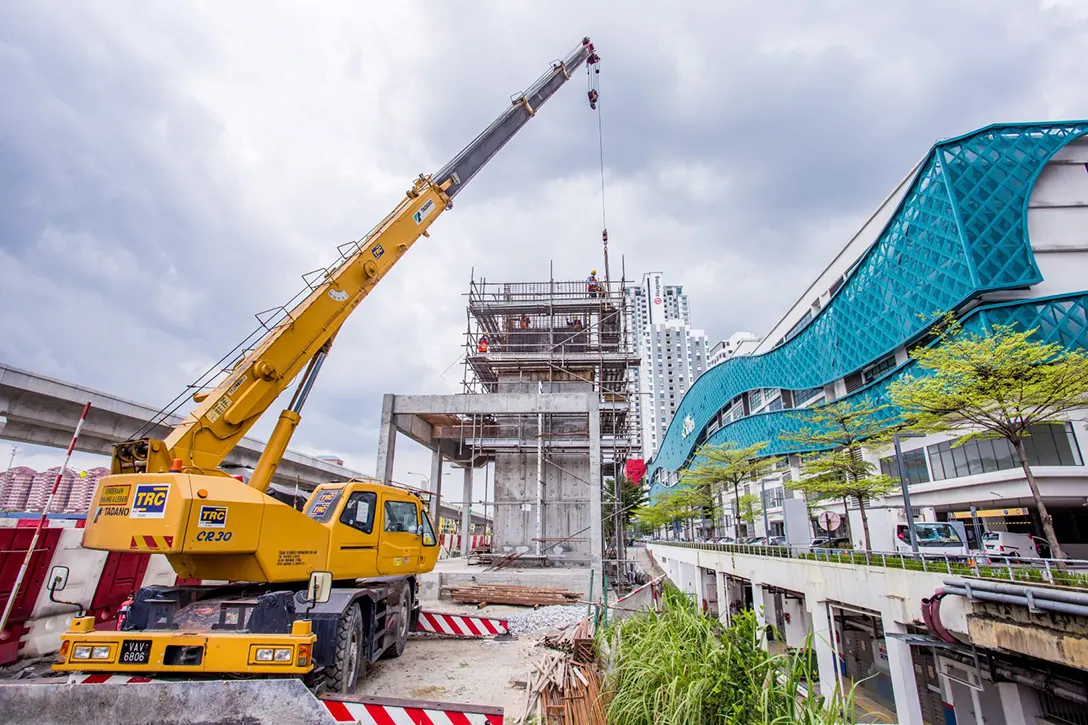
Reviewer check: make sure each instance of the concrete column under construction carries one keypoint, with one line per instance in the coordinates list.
(436, 486)
(387, 442)
(466, 513)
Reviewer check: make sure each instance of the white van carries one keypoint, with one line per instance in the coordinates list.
(944, 537)
(1004, 543)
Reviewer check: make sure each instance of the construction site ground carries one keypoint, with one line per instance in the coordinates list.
(481, 671)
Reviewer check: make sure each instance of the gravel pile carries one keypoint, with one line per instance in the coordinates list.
(552, 617)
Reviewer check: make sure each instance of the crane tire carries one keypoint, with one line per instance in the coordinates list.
(349, 666)
(404, 608)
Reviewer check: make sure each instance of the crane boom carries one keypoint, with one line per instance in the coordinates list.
(299, 342)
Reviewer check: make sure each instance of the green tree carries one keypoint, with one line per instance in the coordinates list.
(660, 511)
(725, 465)
(841, 473)
(996, 385)
(747, 507)
(631, 497)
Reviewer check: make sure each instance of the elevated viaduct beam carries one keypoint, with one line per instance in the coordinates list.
(43, 411)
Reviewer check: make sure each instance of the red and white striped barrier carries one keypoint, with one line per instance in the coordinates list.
(380, 711)
(459, 625)
(81, 679)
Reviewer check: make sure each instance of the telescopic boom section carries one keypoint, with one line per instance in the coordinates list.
(301, 340)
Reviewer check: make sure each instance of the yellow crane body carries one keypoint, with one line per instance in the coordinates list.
(360, 544)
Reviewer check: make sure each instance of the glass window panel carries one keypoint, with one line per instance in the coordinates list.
(401, 516)
(1074, 449)
(1041, 448)
(915, 463)
(1006, 457)
(947, 462)
(935, 463)
(989, 458)
(974, 458)
(959, 459)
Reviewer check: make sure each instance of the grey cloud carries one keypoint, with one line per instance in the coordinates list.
(165, 172)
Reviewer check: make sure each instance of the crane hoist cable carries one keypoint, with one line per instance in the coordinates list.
(593, 72)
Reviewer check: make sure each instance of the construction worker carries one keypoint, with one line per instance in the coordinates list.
(592, 286)
(481, 346)
(525, 322)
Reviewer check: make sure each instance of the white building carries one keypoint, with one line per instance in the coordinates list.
(738, 344)
(672, 353)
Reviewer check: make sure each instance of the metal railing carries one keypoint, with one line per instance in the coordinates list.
(1066, 572)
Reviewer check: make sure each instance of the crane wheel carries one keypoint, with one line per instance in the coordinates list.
(404, 613)
(349, 665)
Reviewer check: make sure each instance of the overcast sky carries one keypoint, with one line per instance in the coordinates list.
(169, 169)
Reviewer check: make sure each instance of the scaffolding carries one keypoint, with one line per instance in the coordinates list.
(554, 336)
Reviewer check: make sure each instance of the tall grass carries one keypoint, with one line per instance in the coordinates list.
(679, 667)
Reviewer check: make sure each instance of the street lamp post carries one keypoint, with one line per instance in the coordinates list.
(906, 487)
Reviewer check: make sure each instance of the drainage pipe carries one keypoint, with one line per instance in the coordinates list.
(1002, 671)
(1019, 590)
(1049, 605)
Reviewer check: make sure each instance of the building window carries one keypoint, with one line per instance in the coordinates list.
(755, 399)
(1048, 445)
(914, 464)
(878, 370)
(803, 396)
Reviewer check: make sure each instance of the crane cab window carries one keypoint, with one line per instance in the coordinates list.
(400, 516)
(427, 531)
(358, 512)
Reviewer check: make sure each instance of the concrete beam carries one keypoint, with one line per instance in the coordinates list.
(42, 411)
(493, 404)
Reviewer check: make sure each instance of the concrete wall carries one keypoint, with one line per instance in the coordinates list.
(566, 478)
(566, 504)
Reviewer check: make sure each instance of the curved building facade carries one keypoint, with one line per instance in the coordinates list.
(992, 224)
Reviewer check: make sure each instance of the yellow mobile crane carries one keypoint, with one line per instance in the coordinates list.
(316, 593)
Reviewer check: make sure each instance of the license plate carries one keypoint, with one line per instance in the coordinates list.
(135, 652)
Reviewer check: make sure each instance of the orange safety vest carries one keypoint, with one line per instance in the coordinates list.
(482, 345)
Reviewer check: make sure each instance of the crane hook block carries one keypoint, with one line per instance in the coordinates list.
(593, 96)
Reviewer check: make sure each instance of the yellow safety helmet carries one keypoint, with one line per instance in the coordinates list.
(593, 271)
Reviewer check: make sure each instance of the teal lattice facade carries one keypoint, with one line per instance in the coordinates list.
(960, 230)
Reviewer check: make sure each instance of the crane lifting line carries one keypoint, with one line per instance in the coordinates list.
(595, 85)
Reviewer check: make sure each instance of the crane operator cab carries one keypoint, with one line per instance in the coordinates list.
(378, 529)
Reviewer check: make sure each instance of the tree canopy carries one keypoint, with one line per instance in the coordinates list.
(726, 465)
(840, 472)
(998, 383)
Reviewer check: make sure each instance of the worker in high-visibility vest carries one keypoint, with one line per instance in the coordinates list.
(592, 286)
(481, 346)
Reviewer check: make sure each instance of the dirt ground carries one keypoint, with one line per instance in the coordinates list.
(472, 671)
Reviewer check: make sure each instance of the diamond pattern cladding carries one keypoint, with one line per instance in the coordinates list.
(1061, 319)
(960, 229)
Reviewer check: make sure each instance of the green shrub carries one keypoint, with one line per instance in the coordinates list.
(679, 667)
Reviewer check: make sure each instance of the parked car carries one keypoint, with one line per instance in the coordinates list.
(776, 541)
(756, 541)
(1005, 543)
(824, 542)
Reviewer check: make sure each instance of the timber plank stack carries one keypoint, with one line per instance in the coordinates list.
(511, 594)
